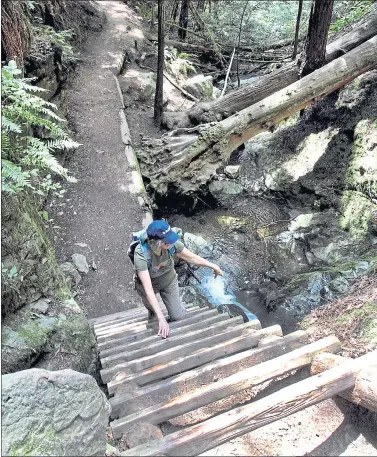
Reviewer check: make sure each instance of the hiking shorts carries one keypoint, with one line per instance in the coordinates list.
(169, 295)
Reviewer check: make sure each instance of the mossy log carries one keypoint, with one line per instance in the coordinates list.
(188, 158)
(265, 86)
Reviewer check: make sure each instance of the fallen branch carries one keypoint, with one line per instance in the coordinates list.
(184, 92)
(227, 73)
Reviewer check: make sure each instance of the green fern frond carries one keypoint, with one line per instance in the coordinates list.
(9, 125)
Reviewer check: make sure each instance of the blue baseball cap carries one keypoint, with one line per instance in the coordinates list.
(161, 230)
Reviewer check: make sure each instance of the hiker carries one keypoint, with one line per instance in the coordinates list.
(154, 264)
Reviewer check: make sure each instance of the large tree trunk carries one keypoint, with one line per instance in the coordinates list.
(188, 158)
(159, 96)
(319, 24)
(246, 96)
(183, 19)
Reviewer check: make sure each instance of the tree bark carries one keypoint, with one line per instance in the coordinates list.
(319, 24)
(246, 96)
(159, 96)
(189, 161)
(183, 19)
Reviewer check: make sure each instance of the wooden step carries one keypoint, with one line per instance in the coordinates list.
(150, 336)
(174, 352)
(181, 323)
(238, 382)
(193, 360)
(142, 319)
(143, 397)
(208, 434)
(131, 352)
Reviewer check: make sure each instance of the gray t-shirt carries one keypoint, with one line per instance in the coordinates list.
(162, 267)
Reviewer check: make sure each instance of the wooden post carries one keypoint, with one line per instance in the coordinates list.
(159, 96)
(365, 391)
(224, 427)
(238, 382)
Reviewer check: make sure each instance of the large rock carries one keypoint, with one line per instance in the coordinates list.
(197, 244)
(200, 86)
(61, 339)
(224, 190)
(142, 83)
(53, 413)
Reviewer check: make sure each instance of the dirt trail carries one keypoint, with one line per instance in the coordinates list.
(100, 210)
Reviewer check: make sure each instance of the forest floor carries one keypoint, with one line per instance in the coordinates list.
(99, 213)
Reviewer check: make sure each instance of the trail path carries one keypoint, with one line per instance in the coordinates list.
(100, 211)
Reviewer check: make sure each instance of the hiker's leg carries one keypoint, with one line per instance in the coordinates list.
(172, 300)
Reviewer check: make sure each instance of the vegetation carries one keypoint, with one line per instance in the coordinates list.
(28, 161)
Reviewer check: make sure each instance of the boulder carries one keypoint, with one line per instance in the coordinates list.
(141, 433)
(225, 189)
(200, 86)
(53, 413)
(80, 263)
(232, 171)
(143, 83)
(197, 244)
(70, 270)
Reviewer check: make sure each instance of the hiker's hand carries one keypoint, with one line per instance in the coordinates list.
(163, 327)
(217, 270)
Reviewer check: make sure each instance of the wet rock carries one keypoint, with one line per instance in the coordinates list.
(53, 413)
(189, 294)
(225, 190)
(80, 263)
(70, 270)
(142, 83)
(232, 171)
(200, 86)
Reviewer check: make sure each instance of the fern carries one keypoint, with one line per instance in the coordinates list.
(27, 160)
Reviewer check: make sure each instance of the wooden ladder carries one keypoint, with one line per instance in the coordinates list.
(208, 357)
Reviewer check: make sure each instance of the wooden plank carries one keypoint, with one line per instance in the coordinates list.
(173, 353)
(365, 391)
(141, 319)
(238, 382)
(151, 333)
(140, 315)
(182, 323)
(148, 349)
(175, 335)
(197, 358)
(125, 403)
(206, 435)
(108, 317)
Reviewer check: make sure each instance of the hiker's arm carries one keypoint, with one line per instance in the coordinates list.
(195, 259)
(163, 327)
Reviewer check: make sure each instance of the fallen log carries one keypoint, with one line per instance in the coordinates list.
(364, 392)
(206, 435)
(188, 158)
(265, 86)
(245, 379)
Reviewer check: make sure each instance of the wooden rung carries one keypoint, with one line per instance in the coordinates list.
(195, 315)
(142, 319)
(130, 353)
(195, 359)
(175, 352)
(144, 397)
(103, 319)
(152, 337)
(181, 323)
(129, 320)
(226, 387)
(206, 435)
